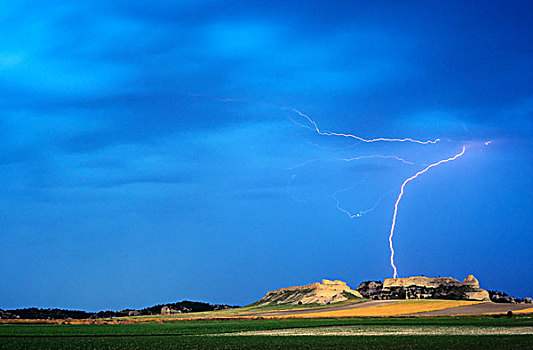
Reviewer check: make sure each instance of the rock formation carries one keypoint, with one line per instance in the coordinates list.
(370, 289)
(421, 287)
(499, 297)
(320, 293)
(471, 281)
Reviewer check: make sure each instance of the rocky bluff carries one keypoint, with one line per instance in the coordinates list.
(421, 287)
(417, 287)
(320, 293)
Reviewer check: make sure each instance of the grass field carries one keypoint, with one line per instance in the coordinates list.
(205, 334)
(275, 342)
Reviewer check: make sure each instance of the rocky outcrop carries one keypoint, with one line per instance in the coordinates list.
(166, 310)
(470, 280)
(369, 289)
(480, 294)
(326, 292)
(420, 281)
(421, 287)
(499, 297)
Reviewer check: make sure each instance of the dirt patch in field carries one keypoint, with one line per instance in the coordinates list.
(393, 330)
(478, 309)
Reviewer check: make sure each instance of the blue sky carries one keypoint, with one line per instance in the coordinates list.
(149, 153)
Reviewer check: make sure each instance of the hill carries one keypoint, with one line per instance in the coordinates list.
(323, 293)
(161, 309)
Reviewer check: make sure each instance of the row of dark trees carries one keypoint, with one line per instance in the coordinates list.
(35, 313)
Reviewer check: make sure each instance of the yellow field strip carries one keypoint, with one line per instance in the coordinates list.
(524, 311)
(396, 309)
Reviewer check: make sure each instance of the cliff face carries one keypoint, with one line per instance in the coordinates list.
(421, 287)
(321, 293)
(369, 289)
(421, 281)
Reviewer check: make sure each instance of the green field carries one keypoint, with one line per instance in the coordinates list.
(218, 334)
(274, 342)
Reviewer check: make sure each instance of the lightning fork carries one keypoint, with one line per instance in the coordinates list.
(407, 139)
(400, 198)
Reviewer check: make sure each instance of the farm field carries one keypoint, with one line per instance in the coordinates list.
(276, 342)
(376, 333)
(359, 308)
(395, 308)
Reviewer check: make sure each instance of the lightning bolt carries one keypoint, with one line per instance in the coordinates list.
(407, 139)
(362, 212)
(302, 164)
(345, 211)
(379, 156)
(379, 139)
(400, 198)
(352, 159)
(350, 215)
(315, 125)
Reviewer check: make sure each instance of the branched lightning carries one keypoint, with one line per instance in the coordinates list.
(400, 198)
(379, 156)
(360, 213)
(299, 165)
(350, 215)
(363, 212)
(345, 211)
(314, 126)
(407, 139)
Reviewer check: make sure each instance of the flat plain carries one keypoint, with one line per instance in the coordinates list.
(481, 332)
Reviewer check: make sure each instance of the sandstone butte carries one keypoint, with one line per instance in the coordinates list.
(475, 293)
(329, 292)
(320, 293)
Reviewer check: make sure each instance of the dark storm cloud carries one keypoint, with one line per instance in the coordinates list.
(142, 63)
